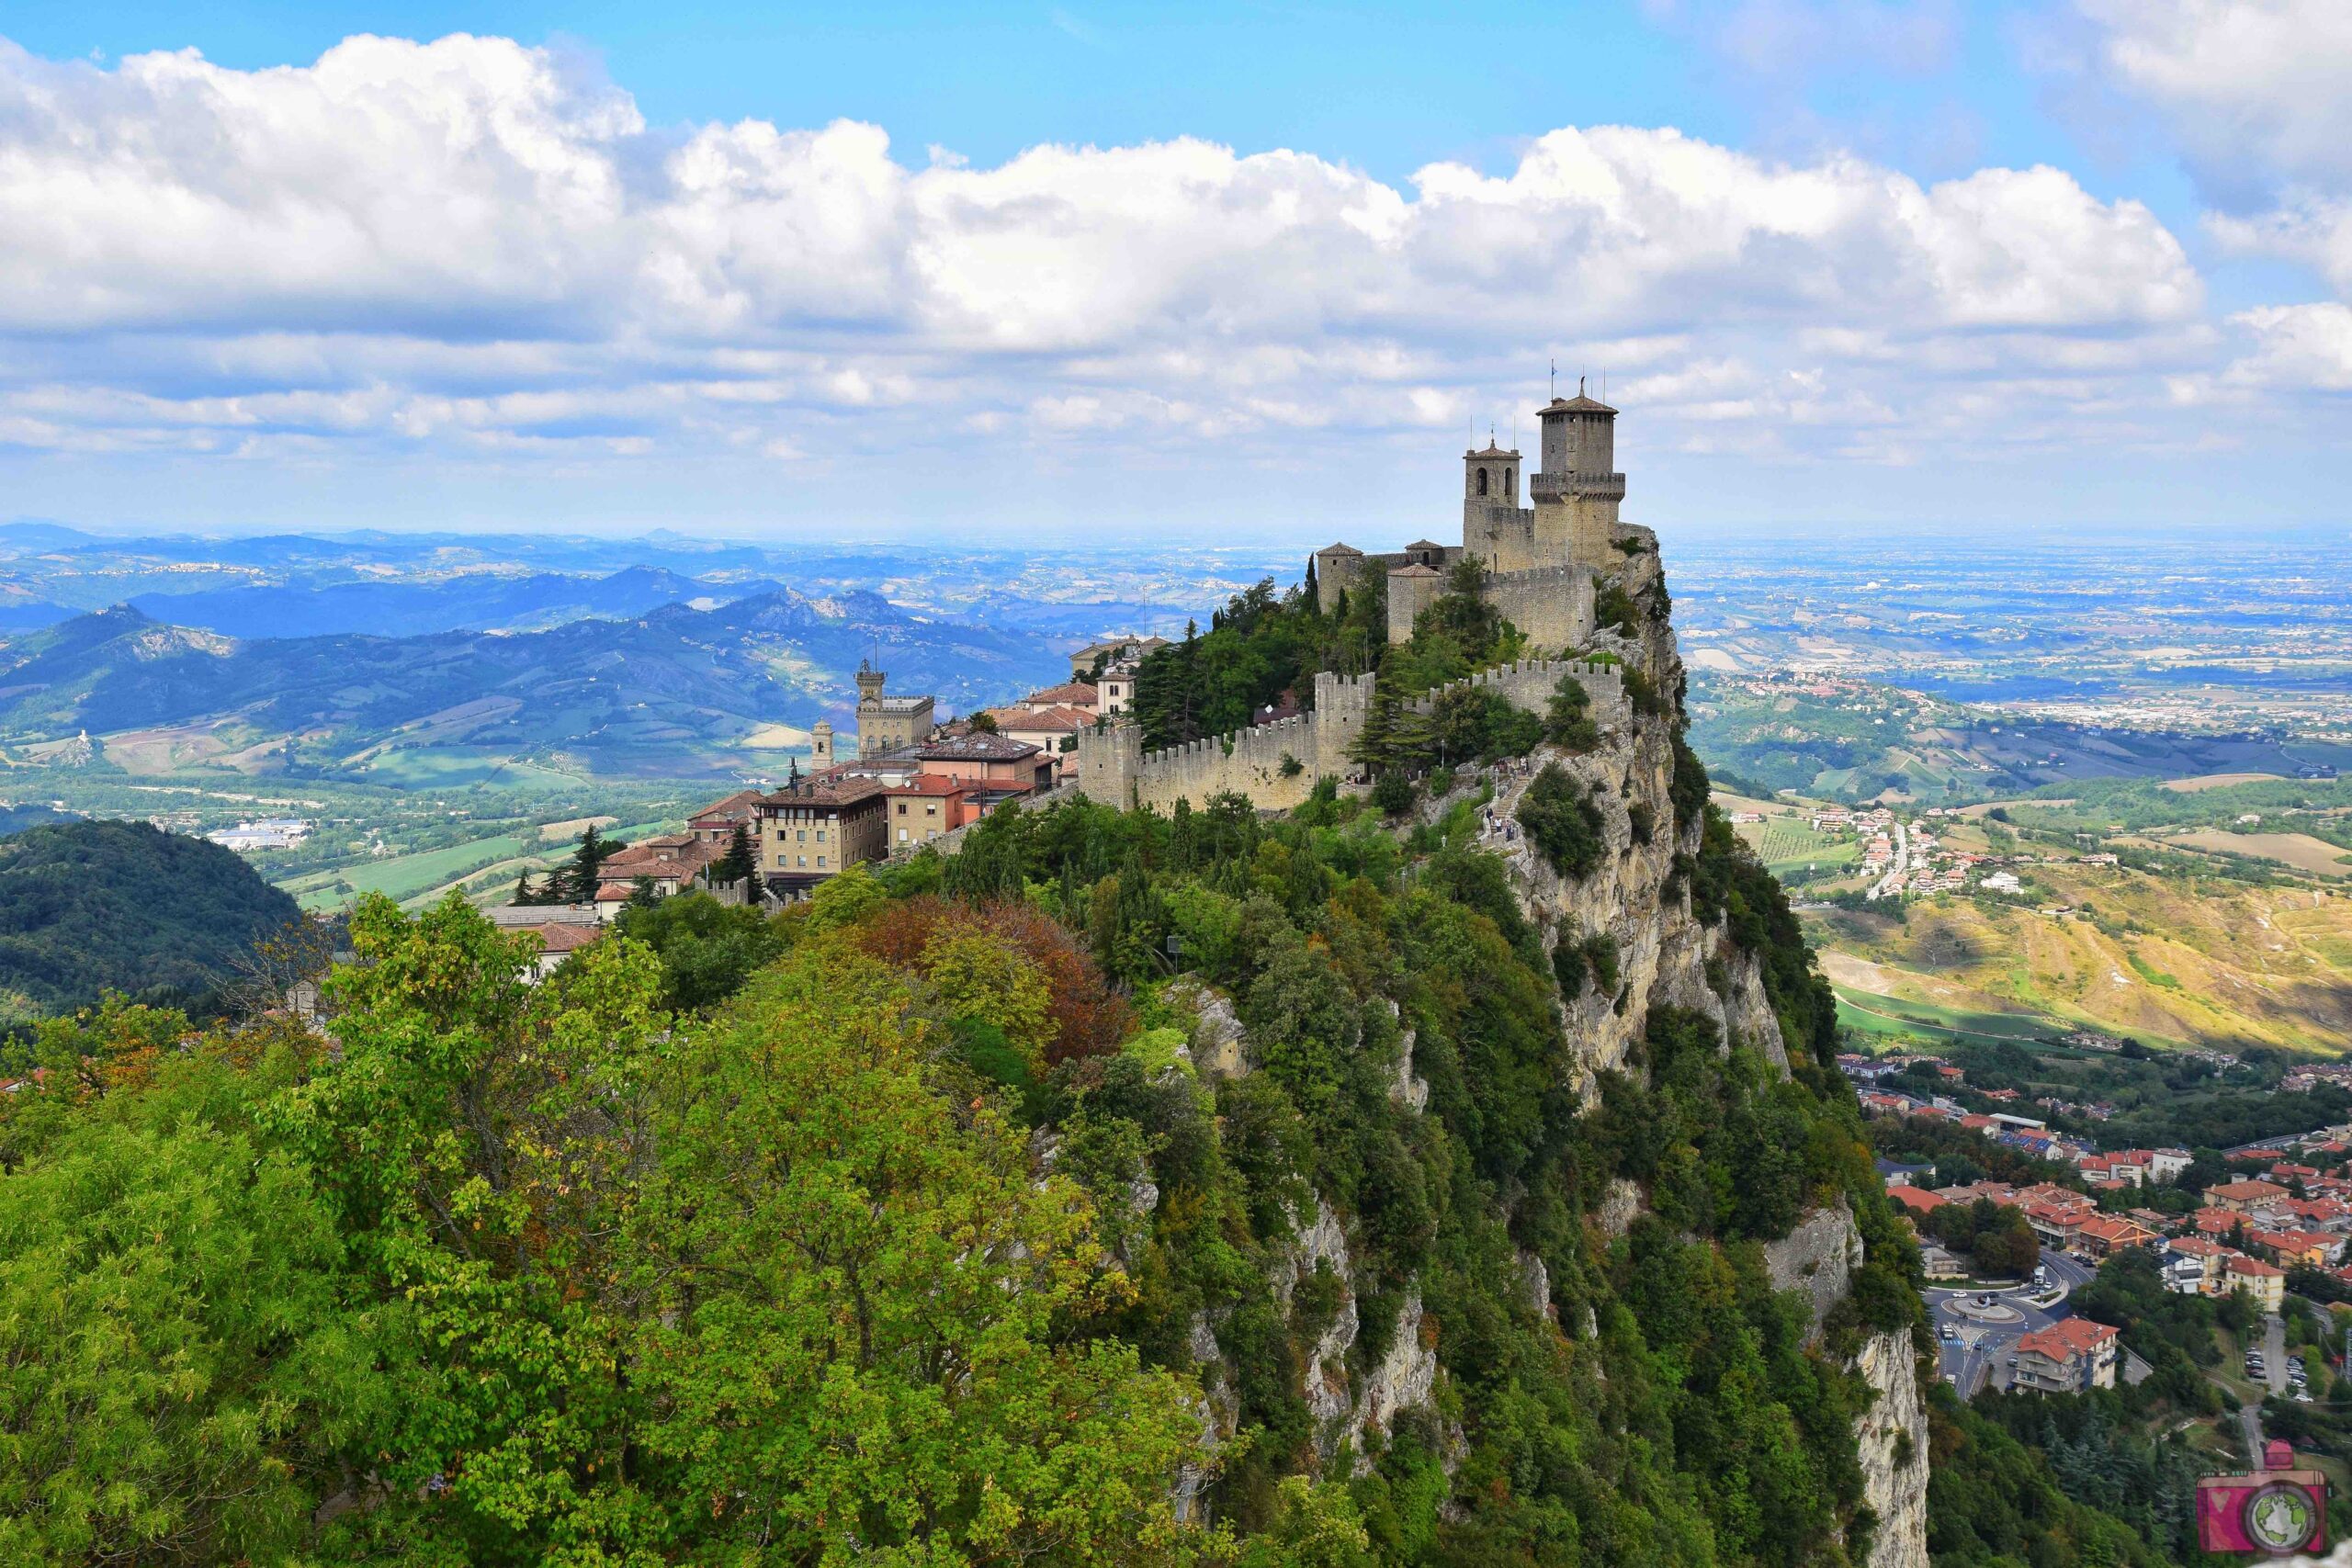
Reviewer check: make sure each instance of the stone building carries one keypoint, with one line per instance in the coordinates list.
(887, 724)
(1541, 559)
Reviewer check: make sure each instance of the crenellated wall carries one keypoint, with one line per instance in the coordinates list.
(1113, 768)
(1529, 683)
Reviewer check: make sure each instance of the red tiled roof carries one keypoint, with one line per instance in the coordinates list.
(1916, 1197)
(2246, 1192)
(1070, 694)
(2067, 1338)
(2254, 1268)
(564, 938)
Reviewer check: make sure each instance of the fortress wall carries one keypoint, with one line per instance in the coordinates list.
(1530, 683)
(1113, 767)
(1552, 605)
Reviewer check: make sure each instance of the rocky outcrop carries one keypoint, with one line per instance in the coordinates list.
(1891, 1440)
(1819, 1257)
(1215, 1047)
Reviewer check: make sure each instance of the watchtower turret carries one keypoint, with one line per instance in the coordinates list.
(1578, 490)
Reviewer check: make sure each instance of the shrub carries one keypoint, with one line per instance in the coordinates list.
(1562, 822)
(1393, 792)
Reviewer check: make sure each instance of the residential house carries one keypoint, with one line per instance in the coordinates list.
(2057, 1225)
(716, 822)
(2166, 1165)
(671, 862)
(2104, 1234)
(919, 810)
(1895, 1175)
(1110, 651)
(1072, 694)
(1918, 1201)
(2073, 1355)
(2193, 1265)
(2263, 1283)
(558, 939)
(2244, 1197)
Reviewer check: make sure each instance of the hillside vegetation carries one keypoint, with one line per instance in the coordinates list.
(91, 907)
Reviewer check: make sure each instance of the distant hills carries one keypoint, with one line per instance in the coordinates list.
(674, 691)
(415, 607)
(91, 907)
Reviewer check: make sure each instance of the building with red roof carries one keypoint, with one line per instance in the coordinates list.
(2072, 1356)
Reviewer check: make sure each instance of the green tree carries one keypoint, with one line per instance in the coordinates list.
(741, 864)
(861, 1342)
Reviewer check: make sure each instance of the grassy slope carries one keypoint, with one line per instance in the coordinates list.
(2213, 962)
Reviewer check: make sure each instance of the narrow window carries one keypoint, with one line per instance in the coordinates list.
(1482, 481)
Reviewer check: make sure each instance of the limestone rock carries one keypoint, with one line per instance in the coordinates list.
(1891, 1440)
(1819, 1258)
(1217, 1045)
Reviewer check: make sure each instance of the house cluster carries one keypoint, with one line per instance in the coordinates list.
(2021, 1132)
(2242, 1240)
(2303, 1080)
(911, 782)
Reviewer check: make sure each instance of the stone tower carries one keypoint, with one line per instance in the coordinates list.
(1578, 490)
(820, 744)
(1493, 527)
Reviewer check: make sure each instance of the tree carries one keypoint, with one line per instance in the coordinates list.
(982, 723)
(1562, 822)
(524, 894)
(707, 949)
(864, 1337)
(581, 877)
(740, 862)
(1567, 717)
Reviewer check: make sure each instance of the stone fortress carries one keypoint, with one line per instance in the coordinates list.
(1541, 561)
(1543, 564)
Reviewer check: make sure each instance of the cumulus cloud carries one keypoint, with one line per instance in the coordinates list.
(464, 245)
(2255, 91)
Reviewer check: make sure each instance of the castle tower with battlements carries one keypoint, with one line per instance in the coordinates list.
(1541, 561)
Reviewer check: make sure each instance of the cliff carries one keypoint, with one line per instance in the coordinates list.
(1684, 1046)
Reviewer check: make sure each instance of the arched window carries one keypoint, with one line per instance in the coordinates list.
(1482, 481)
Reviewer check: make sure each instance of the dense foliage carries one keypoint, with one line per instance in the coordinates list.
(635, 1261)
(87, 908)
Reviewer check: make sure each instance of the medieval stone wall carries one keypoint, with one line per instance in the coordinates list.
(1113, 767)
(1552, 605)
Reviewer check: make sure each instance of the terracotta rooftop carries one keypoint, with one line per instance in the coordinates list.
(2066, 1338)
(1070, 693)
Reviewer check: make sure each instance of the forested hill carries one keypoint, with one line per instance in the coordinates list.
(92, 907)
(1451, 1173)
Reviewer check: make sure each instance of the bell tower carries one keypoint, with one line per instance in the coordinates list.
(1493, 527)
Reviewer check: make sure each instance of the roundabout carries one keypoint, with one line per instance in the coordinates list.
(2000, 1314)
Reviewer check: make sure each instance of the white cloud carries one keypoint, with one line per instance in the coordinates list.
(2252, 84)
(462, 245)
(2255, 92)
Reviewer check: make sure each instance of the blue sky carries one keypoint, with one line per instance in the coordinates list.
(1096, 270)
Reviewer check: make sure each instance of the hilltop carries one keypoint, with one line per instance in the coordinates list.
(91, 907)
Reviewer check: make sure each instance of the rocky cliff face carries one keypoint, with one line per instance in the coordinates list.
(1638, 898)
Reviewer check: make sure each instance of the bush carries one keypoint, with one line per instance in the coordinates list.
(1562, 823)
(1394, 793)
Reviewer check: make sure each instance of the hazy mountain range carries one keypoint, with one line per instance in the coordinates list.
(677, 690)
